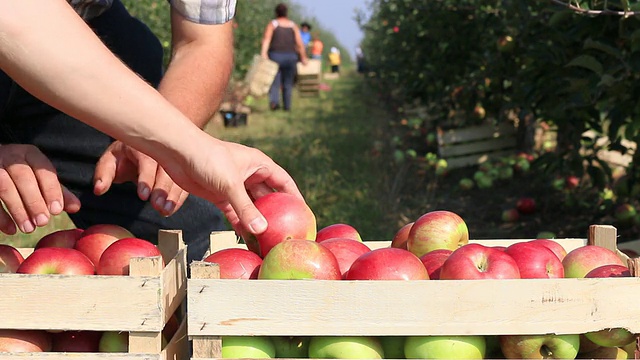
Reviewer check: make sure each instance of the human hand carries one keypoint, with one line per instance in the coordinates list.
(30, 189)
(231, 176)
(121, 163)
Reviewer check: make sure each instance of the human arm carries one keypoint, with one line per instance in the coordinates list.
(52, 57)
(266, 40)
(195, 81)
(302, 52)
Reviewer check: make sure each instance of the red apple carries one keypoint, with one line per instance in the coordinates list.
(433, 261)
(535, 261)
(500, 247)
(437, 230)
(288, 217)
(56, 260)
(605, 271)
(24, 341)
(299, 259)
(236, 263)
(552, 245)
(96, 238)
(510, 215)
(61, 238)
(115, 259)
(346, 251)
(475, 261)
(526, 205)
(400, 238)
(10, 259)
(580, 261)
(338, 231)
(387, 264)
(76, 341)
(572, 182)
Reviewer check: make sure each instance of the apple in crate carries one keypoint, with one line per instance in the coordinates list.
(437, 230)
(96, 238)
(116, 258)
(345, 347)
(338, 231)
(535, 261)
(346, 251)
(299, 259)
(114, 341)
(476, 261)
(248, 347)
(291, 347)
(10, 259)
(548, 346)
(552, 245)
(288, 217)
(400, 238)
(387, 264)
(76, 341)
(604, 352)
(445, 347)
(433, 261)
(24, 341)
(57, 261)
(580, 261)
(61, 238)
(236, 263)
(616, 336)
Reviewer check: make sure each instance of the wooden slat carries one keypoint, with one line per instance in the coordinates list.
(475, 159)
(146, 342)
(125, 303)
(207, 345)
(478, 147)
(178, 347)
(473, 133)
(440, 307)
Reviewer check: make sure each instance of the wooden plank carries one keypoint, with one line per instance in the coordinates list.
(489, 307)
(178, 346)
(313, 66)
(174, 284)
(475, 159)
(73, 302)
(211, 344)
(478, 147)
(472, 133)
(146, 342)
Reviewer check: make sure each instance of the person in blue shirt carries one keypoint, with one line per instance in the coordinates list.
(305, 34)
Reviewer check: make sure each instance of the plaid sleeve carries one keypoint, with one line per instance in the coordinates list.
(206, 11)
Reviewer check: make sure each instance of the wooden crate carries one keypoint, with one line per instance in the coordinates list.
(309, 77)
(260, 76)
(476, 144)
(140, 304)
(404, 308)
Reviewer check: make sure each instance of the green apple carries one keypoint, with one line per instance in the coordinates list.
(548, 346)
(393, 346)
(291, 346)
(611, 337)
(248, 347)
(114, 341)
(604, 352)
(345, 347)
(445, 347)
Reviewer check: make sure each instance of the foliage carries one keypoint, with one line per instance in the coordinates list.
(573, 71)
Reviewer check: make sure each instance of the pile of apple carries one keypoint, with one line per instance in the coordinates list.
(102, 249)
(433, 247)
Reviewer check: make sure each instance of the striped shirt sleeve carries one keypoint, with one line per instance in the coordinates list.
(206, 11)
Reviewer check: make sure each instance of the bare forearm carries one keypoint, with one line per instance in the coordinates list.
(50, 51)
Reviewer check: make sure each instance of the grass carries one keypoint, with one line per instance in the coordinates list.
(326, 144)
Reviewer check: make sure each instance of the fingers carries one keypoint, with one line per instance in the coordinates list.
(104, 173)
(166, 197)
(249, 216)
(71, 201)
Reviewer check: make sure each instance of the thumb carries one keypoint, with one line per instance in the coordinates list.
(249, 215)
(71, 201)
(105, 173)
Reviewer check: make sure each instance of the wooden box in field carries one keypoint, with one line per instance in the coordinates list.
(309, 77)
(476, 144)
(141, 304)
(260, 76)
(222, 307)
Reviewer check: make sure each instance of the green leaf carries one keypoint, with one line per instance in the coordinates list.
(597, 45)
(588, 62)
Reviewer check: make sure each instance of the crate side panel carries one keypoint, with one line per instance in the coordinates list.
(60, 302)
(480, 146)
(473, 133)
(379, 308)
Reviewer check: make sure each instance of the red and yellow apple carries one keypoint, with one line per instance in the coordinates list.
(476, 261)
(236, 263)
(338, 230)
(346, 251)
(580, 261)
(387, 264)
(299, 259)
(437, 230)
(55, 260)
(535, 261)
(96, 238)
(116, 258)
